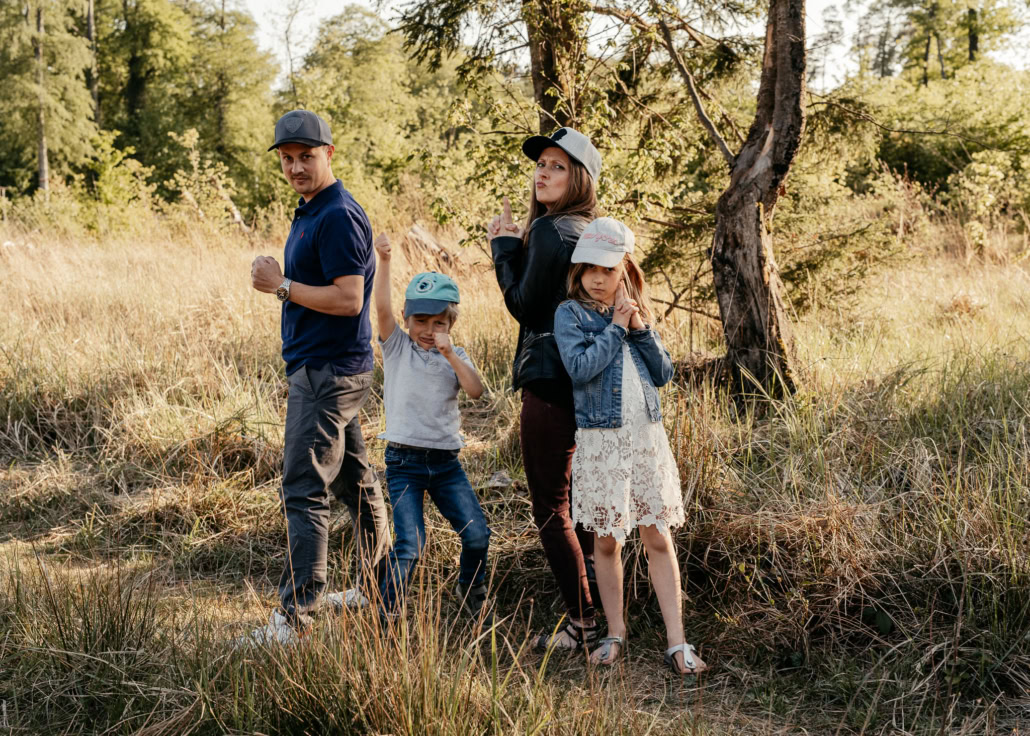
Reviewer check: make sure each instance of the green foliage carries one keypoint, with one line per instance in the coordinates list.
(930, 39)
(939, 127)
(63, 97)
(203, 186)
(227, 99)
(144, 46)
(389, 116)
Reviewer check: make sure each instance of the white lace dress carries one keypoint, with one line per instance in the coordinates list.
(626, 477)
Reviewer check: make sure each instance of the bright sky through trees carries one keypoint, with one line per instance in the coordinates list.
(833, 68)
(270, 17)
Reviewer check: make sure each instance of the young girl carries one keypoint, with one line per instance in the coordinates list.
(623, 472)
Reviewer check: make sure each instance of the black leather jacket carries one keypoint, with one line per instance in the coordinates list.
(534, 280)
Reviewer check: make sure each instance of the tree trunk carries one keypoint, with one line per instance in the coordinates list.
(43, 157)
(974, 34)
(748, 288)
(926, 60)
(92, 74)
(555, 51)
(222, 99)
(940, 55)
(136, 83)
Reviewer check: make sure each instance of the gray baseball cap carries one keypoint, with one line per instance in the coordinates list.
(604, 242)
(304, 127)
(574, 143)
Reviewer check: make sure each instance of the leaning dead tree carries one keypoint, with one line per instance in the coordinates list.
(759, 343)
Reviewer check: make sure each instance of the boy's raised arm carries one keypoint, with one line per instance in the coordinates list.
(384, 309)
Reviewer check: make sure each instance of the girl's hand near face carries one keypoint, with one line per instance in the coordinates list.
(637, 322)
(625, 309)
(624, 314)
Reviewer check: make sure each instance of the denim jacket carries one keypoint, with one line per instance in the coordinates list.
(590, 345)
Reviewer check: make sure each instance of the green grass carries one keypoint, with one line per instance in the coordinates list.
(856, 558)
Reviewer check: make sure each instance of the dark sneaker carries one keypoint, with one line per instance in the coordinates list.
(474, 600)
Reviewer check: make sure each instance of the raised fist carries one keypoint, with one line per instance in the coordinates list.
(382, 246)
(443, 343)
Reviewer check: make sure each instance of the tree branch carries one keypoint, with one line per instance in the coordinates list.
(685, 308)
(887, 129)
(634, 19)
(692, 88)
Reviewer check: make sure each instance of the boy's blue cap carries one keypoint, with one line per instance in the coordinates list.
(430, 293)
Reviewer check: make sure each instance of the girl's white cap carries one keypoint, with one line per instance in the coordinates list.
(604, 242)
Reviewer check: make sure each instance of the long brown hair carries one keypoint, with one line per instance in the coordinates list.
(579, 199)
(632, 280)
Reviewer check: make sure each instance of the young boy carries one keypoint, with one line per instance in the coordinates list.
(423, 373)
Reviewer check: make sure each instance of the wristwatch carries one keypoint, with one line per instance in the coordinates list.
(283, 292)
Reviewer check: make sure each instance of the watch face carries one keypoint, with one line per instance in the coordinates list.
(282, 293)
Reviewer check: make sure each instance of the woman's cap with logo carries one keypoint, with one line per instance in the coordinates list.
(304, 127)
(604, 242)
(430, 293)
(574, 143)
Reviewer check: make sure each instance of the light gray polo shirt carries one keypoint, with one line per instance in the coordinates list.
(420, 393)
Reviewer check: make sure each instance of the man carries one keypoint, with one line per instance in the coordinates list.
(326, 334)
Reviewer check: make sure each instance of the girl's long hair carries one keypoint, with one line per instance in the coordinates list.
(632, 279)
(579, 199)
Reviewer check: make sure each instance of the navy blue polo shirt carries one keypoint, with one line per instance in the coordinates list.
(330, 237)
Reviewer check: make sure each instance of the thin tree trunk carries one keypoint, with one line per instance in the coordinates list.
(926, 60)
(43, 158)
(931, 21)
(758, 333)
(293, 9)
(222, 98)
(92, 74)
(974, 34)
(138, 76)
(554, 39)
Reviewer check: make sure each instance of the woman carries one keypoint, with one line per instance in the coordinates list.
(532, 265)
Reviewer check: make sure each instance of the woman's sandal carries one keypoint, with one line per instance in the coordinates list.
(604, 651)
(581, 637)
(694, 666)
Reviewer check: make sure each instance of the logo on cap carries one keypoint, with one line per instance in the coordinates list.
(292, 123)
(424, 285)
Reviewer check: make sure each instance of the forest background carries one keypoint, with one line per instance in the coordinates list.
(857, 558)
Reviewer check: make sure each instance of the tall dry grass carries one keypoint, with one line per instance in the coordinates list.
(856, 557)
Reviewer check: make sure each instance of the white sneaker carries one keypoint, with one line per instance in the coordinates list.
(351, 598)
(276, 631)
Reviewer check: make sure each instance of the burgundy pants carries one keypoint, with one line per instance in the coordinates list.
(548, 434)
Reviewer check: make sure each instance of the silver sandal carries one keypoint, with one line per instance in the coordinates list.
(605, 647)
(688, 660)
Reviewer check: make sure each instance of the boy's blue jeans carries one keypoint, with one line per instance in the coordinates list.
(410, 474)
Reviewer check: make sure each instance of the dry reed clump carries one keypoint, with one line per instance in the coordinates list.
(829, 537)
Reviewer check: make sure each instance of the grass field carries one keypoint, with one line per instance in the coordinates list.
(857, 559)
